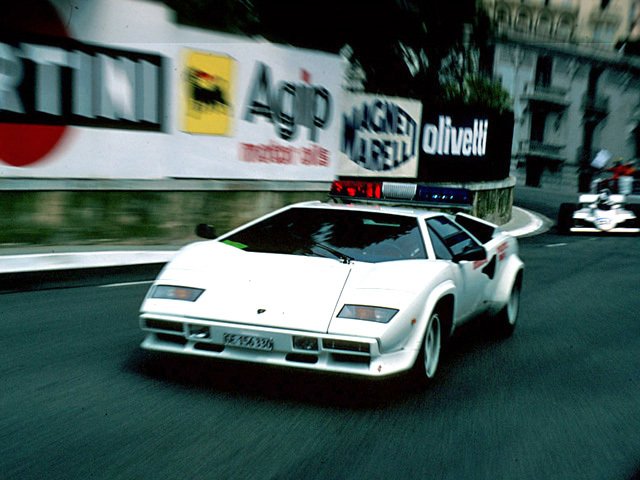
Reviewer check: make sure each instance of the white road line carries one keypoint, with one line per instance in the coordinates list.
(553, 245)
(125, 284)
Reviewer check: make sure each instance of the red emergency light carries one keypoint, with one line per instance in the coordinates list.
(398, 192)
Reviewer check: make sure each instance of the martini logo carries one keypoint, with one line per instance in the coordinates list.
(207, 86)
(379, 135)
(288, 105)
(445, 139)
(62, 82)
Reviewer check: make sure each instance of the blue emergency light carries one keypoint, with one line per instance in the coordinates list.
(407, 193)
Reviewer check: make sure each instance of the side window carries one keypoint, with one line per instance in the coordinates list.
(453, 237)
(440, 249)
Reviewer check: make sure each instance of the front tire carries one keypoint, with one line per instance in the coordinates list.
(428, 359)
(635, 209)
(565, 217)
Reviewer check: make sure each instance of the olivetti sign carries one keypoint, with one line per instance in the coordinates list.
(465, 145)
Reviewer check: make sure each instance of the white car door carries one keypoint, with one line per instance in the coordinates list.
(448, 241)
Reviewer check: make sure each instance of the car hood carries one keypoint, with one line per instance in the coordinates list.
(282, 291)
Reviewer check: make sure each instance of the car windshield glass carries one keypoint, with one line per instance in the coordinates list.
(340, 234)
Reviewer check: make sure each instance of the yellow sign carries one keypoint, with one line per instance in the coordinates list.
(207, 86)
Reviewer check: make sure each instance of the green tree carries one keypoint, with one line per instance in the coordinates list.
(404, 47)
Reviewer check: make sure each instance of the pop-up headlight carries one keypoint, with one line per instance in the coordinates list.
(364, 312)
(172, 292)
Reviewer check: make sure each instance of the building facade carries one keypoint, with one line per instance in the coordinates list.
(599, 23)
(573, 93)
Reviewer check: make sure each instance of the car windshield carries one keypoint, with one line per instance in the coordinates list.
(340, 234)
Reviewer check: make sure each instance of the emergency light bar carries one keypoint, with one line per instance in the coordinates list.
(407, 193)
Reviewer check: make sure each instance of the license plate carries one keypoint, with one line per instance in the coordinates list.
(248, 341)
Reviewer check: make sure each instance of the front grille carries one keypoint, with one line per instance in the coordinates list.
(344, 358)
(163, 337)
(163, 325)
(209, 347)
(360, 347)
(301, 358)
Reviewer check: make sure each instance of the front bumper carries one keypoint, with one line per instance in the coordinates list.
(586, 229)
(334, 353)
(588, 225)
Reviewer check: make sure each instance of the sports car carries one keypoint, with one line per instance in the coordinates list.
(338, 286)
(598, 213)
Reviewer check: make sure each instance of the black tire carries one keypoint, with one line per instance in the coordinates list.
(507, 318)
(426, 364)
(635, 209)
(565, 217)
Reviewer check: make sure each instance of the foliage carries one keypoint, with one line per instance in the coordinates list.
(401, 45)
(477, 90)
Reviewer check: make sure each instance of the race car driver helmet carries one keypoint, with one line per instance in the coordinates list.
(604, 202)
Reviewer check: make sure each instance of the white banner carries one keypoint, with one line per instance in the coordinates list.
(155, 100)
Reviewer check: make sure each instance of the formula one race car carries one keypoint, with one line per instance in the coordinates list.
(599, 212)
(369, 290)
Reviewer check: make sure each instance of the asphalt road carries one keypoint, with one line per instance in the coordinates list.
(558, 400)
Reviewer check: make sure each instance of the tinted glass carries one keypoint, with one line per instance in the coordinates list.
(456, 239)
(440, 249)
(363, 236)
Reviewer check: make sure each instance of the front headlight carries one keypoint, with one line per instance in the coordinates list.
(364, 312)
(172, 292)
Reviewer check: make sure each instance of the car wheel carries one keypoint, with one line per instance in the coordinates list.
(507, 317)
(635, 209)
(565, 217)
(429, 356)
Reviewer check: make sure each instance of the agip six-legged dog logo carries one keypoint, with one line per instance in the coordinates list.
(207, 87)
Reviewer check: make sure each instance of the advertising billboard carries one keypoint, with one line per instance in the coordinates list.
(143, 98)
(464, 144)
(379, 136)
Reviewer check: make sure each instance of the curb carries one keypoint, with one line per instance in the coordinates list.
(535, 224)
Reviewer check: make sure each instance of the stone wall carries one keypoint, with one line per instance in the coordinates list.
(131, 216)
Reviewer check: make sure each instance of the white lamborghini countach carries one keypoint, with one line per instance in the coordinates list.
(359, 289)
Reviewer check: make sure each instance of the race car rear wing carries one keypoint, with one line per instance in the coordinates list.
(593, 197)
(425, 196)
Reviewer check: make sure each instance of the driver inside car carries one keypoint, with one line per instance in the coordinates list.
(604, 201)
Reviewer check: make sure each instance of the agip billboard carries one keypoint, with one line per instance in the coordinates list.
(142, 98)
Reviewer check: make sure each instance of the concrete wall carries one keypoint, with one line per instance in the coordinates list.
(168, 216)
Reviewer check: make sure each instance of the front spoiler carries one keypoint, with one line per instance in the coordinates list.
(597, 230)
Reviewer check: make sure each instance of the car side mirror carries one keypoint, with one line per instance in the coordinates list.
(471, 254)
(206, 231)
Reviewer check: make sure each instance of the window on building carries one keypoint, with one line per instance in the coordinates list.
(604, 33)
(538, 123)
(544, 67)
(502, 16)
(523, 22)
(636, 140)
(544, 24)
(564, 28)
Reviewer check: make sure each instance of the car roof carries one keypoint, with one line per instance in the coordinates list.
(370, 207)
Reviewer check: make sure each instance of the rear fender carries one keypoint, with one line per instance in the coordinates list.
(514, 267)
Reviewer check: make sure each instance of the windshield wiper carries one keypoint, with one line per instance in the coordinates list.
(343, 257)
